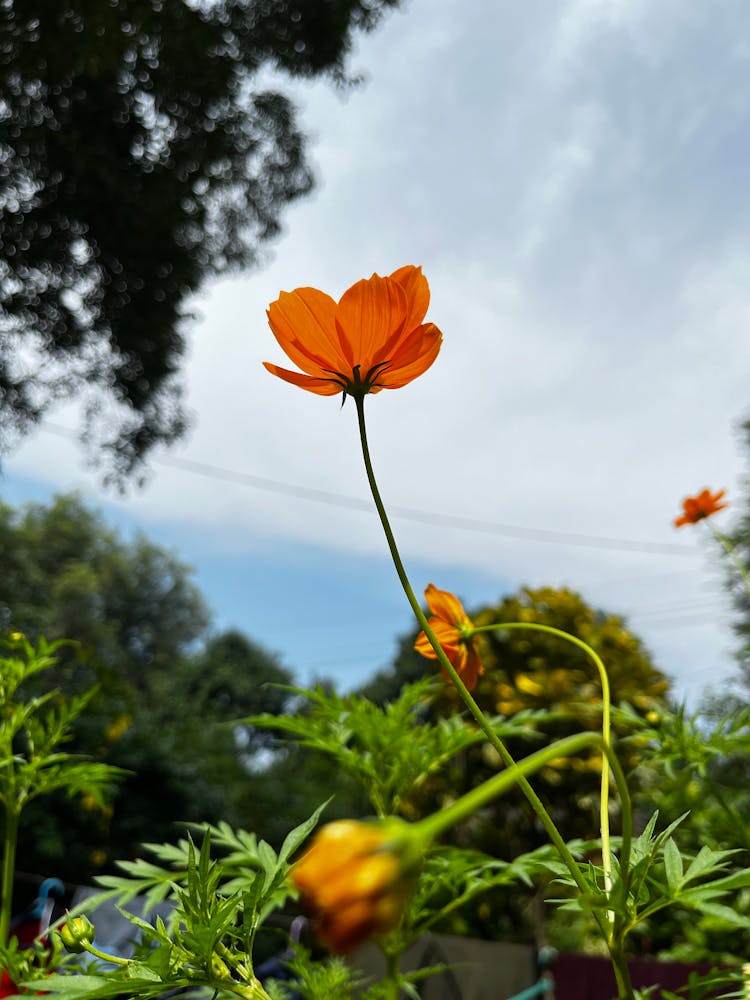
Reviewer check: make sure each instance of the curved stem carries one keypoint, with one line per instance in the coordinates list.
(606, 725)
(432, 826)
(103, 955)
(533, 799)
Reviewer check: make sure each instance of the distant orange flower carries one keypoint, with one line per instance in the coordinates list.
(453, 629)
(355, 878)
(374, 338)
(703, 505)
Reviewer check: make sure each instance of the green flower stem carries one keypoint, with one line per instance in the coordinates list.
(606, 725)
(103, 955)
(499, 784)
(10, 842)
(533, 799)
(391, 975)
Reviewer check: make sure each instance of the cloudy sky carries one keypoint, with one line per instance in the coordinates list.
(572, 176)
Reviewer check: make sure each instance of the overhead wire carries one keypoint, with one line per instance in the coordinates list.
(460, 522)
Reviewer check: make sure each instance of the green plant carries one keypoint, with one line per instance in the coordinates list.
(33, 729)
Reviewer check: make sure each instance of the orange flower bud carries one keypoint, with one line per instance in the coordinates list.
(356, 877)
(454, 631)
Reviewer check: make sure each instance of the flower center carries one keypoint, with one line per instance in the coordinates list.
(355, 385)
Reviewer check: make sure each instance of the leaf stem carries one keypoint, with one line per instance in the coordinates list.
(10, 842)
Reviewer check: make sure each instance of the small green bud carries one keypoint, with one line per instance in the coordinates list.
(76, 933)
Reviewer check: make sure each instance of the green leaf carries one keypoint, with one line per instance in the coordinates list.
(723, 912)
(707, 861)
(673, 866)
(300, 833)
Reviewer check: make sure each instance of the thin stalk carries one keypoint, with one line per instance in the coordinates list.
(390, 981)
(432, 826)
(531, 796)
(606, 726)
(10, 842)
(104, 955)
(621, 971)
(625, 990)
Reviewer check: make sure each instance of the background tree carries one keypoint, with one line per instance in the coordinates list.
(739, 538)
(140, 154)
(167, 687)
(706, 758)
(694, 771)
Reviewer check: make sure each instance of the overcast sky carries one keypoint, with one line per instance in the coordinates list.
(572, 177)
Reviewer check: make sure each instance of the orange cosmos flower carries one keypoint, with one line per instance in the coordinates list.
(703, 505)
(374, 338)
(453, 629)
(355, 878)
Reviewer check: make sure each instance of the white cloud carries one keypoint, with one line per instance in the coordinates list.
(572, 178)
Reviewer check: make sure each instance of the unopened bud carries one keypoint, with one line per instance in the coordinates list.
(76, 933)
(356, 877)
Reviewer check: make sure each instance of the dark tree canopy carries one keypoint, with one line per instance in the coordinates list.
(139, 155)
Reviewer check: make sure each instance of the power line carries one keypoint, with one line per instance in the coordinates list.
(407, 513)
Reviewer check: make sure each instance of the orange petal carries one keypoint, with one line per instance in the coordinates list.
(445, 605)
(445, 633)
(304, 323)
(405, 369)
(369, 314)
(320, 386)
(417, 291)
(472, 669)
(343, 929)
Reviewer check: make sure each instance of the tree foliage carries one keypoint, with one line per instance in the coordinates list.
(739, 537)
(168, 688)
(695, 771)
(143, 149)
